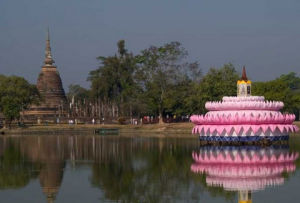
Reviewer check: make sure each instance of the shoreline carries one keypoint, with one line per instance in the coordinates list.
(146, 130)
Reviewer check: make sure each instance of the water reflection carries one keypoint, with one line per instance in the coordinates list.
(124, 169)
(244, 169)
(28, 158)
(140, 169)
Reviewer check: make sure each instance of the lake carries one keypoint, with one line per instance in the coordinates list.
(88, 168)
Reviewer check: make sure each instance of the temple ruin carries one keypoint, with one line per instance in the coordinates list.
(49, 84)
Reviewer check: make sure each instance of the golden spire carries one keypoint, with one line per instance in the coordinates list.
(48, 56)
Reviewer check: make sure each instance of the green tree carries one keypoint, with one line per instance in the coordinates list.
(161, 71)
(273, 90)
(213, 86)
(113, 82)
(292, 80)
(286, 88)
(177, 95)
(77, 92)
(16, 94)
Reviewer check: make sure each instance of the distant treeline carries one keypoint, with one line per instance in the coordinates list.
(160, 82)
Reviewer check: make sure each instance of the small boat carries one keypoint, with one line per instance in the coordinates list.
(106, 131)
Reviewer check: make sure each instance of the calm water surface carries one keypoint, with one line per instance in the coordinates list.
(85, 168)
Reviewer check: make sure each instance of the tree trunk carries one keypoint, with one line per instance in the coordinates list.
(161, 108)
(5, 124)
(9, 124)
(160, 118)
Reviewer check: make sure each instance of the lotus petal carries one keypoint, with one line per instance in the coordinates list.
(246, 128)
(255, 128)
(220, 129)
(237, 128)
(281, 128)
(273, 128)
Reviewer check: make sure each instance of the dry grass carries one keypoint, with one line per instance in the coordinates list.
(167, 128)
(160, 130)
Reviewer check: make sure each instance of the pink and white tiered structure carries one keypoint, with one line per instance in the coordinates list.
(244, 118)
(242, 169)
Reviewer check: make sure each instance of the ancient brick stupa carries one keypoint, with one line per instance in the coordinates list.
(50, 87)
(244, 118)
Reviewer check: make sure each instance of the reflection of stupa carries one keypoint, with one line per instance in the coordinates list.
(50, 177)
(52, 157)
(244, 169)
(243, 118)
(50, 87)
(50, 153)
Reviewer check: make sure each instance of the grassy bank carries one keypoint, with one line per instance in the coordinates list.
(177, 129)
(167, 129)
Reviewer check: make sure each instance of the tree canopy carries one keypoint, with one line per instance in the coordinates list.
(16, 94)
(113, 83)
(286, 88)
(213, 86)
(164, 73)
(160, 81)
(78, 92)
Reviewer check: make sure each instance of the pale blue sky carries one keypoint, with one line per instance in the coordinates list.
(264, 35)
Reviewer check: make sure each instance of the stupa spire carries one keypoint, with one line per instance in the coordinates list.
(244, 85)
(244, 75)
(48, 56)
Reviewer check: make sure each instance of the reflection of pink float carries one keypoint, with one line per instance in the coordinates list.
(244, 118)
(243, 169)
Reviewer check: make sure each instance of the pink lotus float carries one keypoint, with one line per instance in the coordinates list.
(242, 169)
(244, 105)
(244, 118)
